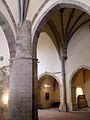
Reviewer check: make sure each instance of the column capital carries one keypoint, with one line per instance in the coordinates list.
(32, 58)
(63, 58)
(25, 28)
(63, 55)
(23, 41)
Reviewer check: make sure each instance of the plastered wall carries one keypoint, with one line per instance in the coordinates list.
(47, 56)
(78, 50)
(78, 54)
(4, 49)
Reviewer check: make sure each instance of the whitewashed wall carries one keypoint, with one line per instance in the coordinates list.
(78, 54)
(4, 49)
(47, 56)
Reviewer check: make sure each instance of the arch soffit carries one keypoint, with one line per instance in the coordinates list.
(9, 34)
(50, 74)
(44, 10)
(76, 70)
(10, 13)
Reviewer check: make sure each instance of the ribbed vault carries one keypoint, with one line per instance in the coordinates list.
(63, 23)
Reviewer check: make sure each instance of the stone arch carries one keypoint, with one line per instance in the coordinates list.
(41, 7)
(55, 95)
(76, 70)
(71, 79)
(45, 11)
(10, 13)
(50, 74)
(9, 35)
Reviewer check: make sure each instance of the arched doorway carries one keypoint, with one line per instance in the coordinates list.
(80, 87)
(48, 92)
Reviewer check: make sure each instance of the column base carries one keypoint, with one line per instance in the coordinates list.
(62, 107)
(69, 107)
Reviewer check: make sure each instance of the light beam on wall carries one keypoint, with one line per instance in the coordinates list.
(5, 98)
(79, 91)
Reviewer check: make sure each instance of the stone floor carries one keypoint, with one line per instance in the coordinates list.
(55, 115)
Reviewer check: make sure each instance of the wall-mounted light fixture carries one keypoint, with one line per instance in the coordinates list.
(47, 86)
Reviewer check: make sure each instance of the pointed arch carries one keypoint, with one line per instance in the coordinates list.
(72, 88)
(9, 34)
(76, 70)
(50, 74)
(10, 13)
(47, 8)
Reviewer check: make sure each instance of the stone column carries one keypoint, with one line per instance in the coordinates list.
(35, 91)
(22, 76)
(62, 106)
(73, 98)
(39, 96)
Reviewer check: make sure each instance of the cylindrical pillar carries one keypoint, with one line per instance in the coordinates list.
(62, 106)
(22, 86)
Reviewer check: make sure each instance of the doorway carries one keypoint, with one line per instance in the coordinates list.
(80, 90)
(48, 93)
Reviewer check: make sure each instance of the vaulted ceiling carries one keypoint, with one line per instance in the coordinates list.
(63, 23)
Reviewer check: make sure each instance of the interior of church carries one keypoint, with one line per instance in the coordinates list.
(44, 59)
